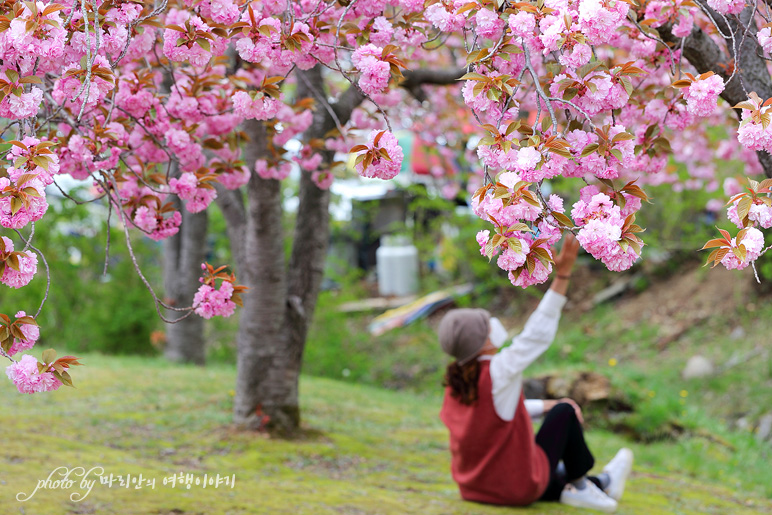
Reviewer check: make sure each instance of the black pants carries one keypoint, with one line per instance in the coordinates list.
(562, 439)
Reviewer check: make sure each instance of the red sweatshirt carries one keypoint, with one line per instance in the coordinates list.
(492, 460)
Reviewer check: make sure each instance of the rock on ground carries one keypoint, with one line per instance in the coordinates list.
(698, 366)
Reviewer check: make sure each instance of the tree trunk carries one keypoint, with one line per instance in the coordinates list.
(312, 227)
(267, 378)
(279, 306)
(183, 254)
(280, 302)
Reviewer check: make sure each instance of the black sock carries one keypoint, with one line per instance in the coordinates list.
(580, 483)
(604, 479)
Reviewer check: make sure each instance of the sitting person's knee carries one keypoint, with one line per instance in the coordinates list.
(563, 409)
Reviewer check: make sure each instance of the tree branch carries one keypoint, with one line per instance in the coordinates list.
(705, 55)
(414, 79)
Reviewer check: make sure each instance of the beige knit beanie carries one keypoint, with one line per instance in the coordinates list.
(463, 333)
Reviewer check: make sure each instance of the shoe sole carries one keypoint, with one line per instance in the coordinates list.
(605, 509)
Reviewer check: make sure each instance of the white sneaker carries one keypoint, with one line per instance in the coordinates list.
(590, 497)
(618, 469)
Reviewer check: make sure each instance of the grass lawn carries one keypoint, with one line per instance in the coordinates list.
(367, 450)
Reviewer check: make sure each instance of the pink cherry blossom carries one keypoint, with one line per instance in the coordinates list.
(234, 178)
(267, 170)
(28, 266)
(31, 334)
(702, 95)
(489, 24)
(381, 32)
(188, 188)
(375, 72)
(443, 16)
(259, 107)
(727, 6)
(555, 203)
(522, 24)
(765, 39)
(381, 167)
(512, 259)
(753, 243)
(482, 240)
(323, 179)
(209, 302)
(24, 375)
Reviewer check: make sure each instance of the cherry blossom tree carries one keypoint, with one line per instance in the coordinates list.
(168, 106)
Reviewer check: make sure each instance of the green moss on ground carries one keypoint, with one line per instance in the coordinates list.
(366, 450)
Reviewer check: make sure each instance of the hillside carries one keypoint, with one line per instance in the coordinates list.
(365, 451)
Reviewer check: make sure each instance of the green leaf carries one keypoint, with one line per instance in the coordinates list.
(42, 162)
(49, 356)
(740, 252)
(530, 264)
(623, 136)
(16, 332)
(16, 205)
(519, 227)
(473, 76)
(500, 193)
(204, 43)
(563, 219)
(589, 149)
(715, 242)
(13, 262)
(489, 250)
(64, 377)
(744, 207)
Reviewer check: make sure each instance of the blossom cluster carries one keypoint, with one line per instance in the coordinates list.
(602, 224)
(750, 209)
(18, 268)
(375, 71)
(211, 301)
(381, 157)
(517, 216)
(193, 188)
(22, 190)
(702, 94)
(752, 242)
(25, 376)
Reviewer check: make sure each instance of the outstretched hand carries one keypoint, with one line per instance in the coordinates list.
(564, 262)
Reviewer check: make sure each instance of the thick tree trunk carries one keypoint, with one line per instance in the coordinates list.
(306, 270)
(312, 227)
(183, 254)
(279, 306)
(266, 384)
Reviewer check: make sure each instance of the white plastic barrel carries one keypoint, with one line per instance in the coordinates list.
(396, 262)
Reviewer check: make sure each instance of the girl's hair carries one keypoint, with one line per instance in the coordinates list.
(462, 380)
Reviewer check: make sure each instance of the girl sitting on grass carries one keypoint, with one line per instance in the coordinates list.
(494, 456)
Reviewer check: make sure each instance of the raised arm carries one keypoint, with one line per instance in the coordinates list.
(564, 264)
(541, 327)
